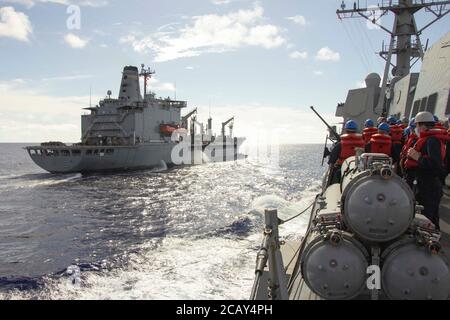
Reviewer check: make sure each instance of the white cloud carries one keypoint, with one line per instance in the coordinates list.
(226, 2)
(300, 20)
(210, 33)
(26, 3)
(68, 78)
(252, 121)
(32, 116)
(75, 41)
(14, 24)
(299, 55)
(85, 3)
(156, 85)
(326, 54)
(221, 2)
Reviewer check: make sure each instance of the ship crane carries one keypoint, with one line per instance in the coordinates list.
(185, 119)
(230, 124)
(407, 51)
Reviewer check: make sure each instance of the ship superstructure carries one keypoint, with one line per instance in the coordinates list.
(399, 91)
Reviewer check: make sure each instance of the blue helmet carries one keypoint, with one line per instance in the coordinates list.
(448, 119)
(369, 123)
(392, 120)
(412, 123)
(436, 118)
(351, 125)
(384, 127)
(399, 122)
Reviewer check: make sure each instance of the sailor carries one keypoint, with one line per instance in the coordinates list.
(344, 149)
(410, 138)
(381, 142)
(397, 139)
(427, 157)
(404, 123)
(439, 125)
(409, 130)
(369, 130)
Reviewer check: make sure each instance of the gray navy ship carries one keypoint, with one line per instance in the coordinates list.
(366, 237)
(135, 132)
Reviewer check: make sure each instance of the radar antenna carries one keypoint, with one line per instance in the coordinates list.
(147, 74)
(408, 52)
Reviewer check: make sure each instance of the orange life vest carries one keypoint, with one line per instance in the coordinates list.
(368, 133)
(381, 143)
(421, 143)
(441, 128)
(396, 134)
(349, 143)
(412, 139)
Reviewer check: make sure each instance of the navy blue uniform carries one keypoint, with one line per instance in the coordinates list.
(429, 179)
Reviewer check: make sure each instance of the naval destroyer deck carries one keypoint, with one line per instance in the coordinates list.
(290, 252)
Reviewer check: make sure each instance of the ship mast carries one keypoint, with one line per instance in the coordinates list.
(407, 51)
(147, 74)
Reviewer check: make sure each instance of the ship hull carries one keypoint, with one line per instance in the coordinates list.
(88, 159)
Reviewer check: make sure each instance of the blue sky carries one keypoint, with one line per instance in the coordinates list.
(263, 61)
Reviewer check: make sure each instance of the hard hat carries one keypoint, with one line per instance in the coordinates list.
(392, 120)
(448, 119)
(436, 118)
(425, 117)
(351, 125)
(407, 131)
(399, 122)
(369, 123)
(384, 127)
(412, 123)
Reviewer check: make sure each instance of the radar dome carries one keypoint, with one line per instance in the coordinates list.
(373, 80)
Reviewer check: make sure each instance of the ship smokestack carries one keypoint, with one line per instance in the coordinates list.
(129, 87)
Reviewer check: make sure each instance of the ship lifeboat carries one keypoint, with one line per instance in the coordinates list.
(168, 129)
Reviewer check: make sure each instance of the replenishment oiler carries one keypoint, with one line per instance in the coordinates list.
(136, 132)
(366, 237)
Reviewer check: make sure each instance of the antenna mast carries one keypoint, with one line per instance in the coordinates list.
(402, 45)
(147, 74)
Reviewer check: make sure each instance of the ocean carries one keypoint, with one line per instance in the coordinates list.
(189, 232)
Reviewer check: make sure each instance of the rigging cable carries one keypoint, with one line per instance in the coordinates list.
(360, 41)
(372, 47)
(353, 44)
